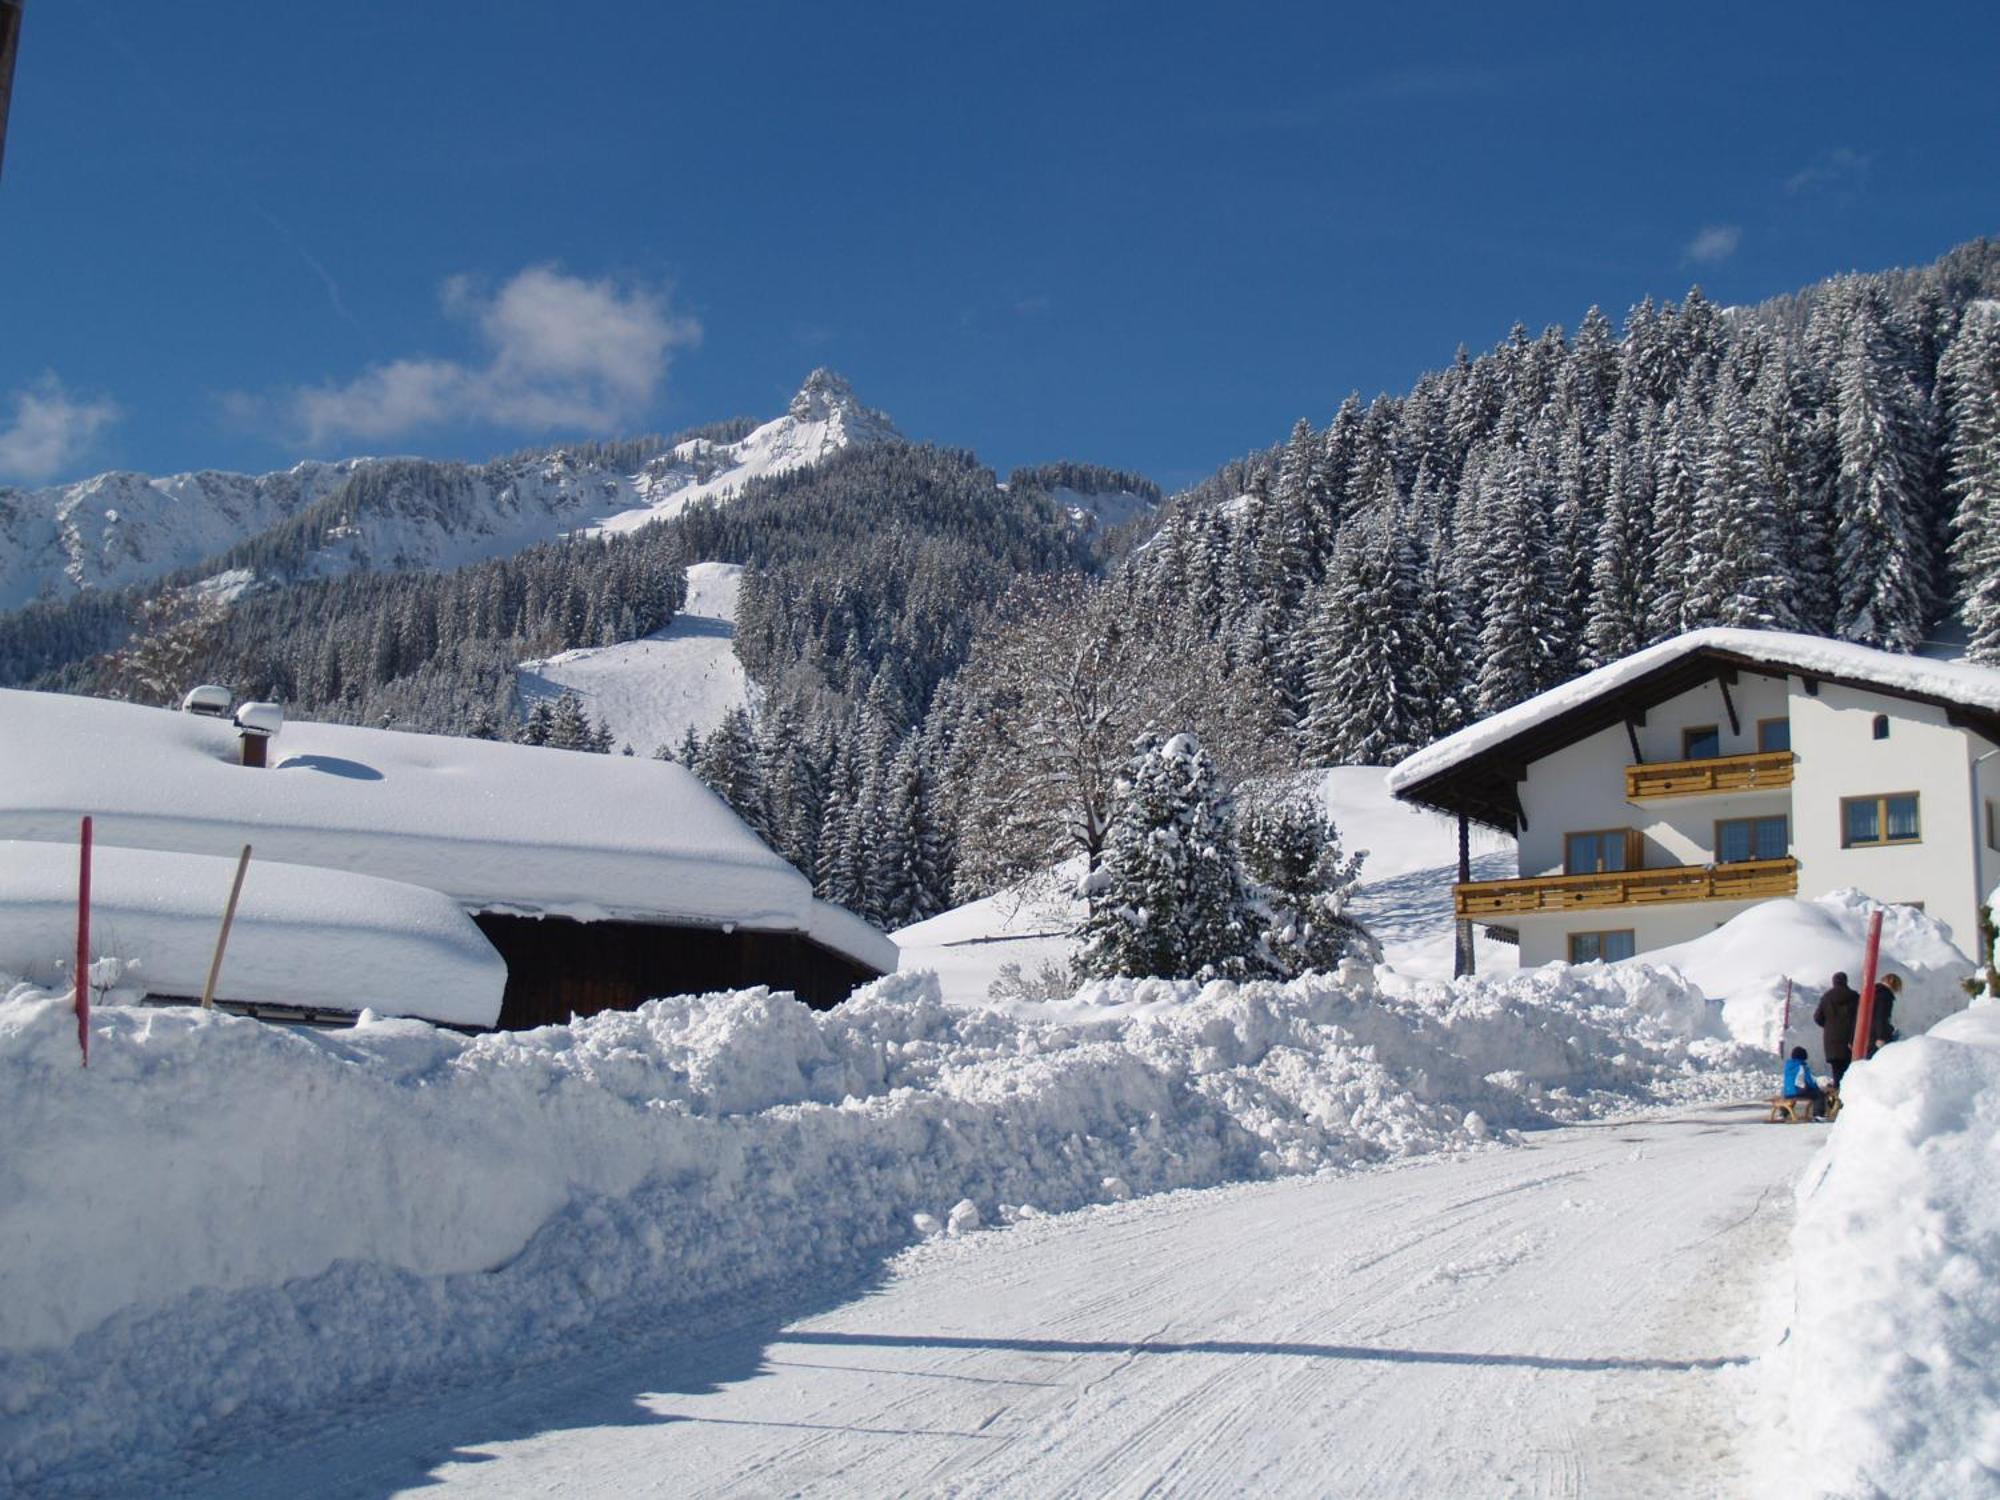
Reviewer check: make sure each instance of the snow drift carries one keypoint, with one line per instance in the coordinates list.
(305, 937)
(220, 1224)
(1746, 962)
(1895, 1351)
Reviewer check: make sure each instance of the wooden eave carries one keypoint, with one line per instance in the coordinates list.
(1485, 787)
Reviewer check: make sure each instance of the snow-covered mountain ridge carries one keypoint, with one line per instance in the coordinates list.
(324, 519)
(118, 528)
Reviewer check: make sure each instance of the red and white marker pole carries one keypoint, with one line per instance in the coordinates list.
(1864, 1018)
(83, 946)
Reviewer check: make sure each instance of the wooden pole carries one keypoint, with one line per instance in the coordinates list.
(1864, 1016)
(222, 938)
(1462, 959)
(82, 974)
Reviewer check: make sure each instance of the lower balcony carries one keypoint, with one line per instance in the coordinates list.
(1750, 880)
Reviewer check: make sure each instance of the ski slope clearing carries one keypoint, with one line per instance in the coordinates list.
(1575, 1317)
(652, 691)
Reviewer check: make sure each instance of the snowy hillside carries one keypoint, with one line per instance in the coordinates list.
(652, 691)
(118, 528)
(325, 519)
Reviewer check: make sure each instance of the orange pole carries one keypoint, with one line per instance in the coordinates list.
(1864, 1018)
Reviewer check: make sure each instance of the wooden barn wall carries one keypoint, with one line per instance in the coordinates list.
(558, 967)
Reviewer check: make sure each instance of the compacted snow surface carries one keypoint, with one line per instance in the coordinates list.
(221, 1225)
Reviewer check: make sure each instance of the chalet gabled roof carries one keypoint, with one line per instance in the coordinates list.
(498, 827)
(1476, 771)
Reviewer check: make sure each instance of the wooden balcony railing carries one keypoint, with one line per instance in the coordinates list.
(1762, 772)
(1751, 880)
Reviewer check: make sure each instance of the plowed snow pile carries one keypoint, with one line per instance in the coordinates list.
(1895, 1359)
(220, 1223)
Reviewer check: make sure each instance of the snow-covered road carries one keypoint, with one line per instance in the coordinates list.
(1567, 1318)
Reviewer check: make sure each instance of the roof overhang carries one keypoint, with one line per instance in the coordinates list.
(1484, 785)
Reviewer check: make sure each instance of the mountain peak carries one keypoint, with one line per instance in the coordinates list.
(827, 396)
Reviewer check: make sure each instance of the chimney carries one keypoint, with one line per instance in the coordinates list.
(208, 700)
(258, 723)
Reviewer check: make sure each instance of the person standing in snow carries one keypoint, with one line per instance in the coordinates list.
(1887, 988)
(1800, 1084)
(1835, 1016)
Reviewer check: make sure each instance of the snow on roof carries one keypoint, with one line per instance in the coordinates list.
(1910, 676)
(499, 827)
(305, 937)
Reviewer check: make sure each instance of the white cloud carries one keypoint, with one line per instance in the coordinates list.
(558, 351)
(1843, 166)
(1714, 244)
(50, 429)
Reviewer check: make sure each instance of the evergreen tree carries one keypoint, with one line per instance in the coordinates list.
(1969, 383)
(1882, 547)
(1169, 899)
(1291, 850)
(727, 765)
(1365, 697)
(910, 879)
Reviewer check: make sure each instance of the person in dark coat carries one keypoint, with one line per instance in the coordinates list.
(1838, 1009)
(1887, 988)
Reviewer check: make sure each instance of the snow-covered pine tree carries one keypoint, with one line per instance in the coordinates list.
(1969, 387)
(535, 731)
(1169, 899)
(1617, 624)
(1882, 544)
(1735, 551)
(910, 877)
(1292, 854)
(1518, 643)
(1365, 702)
(727, 765)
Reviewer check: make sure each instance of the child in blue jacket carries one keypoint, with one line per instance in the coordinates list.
(1799, 1082)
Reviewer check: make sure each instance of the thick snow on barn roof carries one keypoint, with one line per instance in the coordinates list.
(499, 827)
(1956, 684)
(316, 939)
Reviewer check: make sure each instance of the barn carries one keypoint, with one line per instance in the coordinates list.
(600, 881)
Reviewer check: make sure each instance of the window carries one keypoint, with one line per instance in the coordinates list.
(1600, 850)
(1738, 839)
(1881, 726)
(1774, 734)
(1869, 821)
(1703, 743)
(1589, 947)
(1992, 826)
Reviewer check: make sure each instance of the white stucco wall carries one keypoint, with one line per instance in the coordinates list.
(1582, 787)
(1838, 756)
(1545, 939)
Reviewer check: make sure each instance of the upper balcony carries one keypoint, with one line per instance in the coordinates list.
(1764, 771)
(1746, 880)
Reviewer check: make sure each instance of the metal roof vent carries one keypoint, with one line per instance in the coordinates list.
(259, 723)
(208, 700)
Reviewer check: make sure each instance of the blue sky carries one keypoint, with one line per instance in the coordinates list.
(237, 233)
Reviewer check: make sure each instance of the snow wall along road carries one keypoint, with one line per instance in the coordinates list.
(221, 1223)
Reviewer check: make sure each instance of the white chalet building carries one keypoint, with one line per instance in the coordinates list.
(1657, 797)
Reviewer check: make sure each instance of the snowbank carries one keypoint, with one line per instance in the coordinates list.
(222, 1222)
(315, 938)
(1745, 962)
(1895, 1352)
